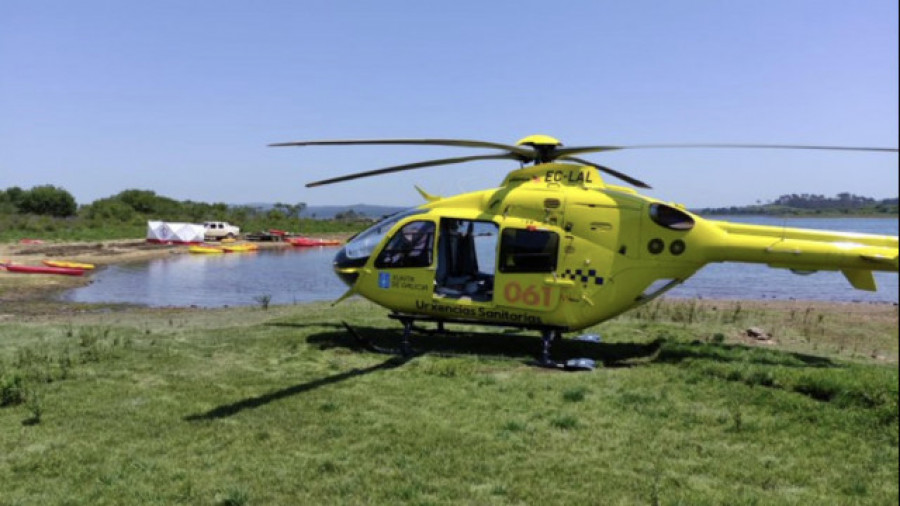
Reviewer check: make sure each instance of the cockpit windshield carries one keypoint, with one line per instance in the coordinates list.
(363, 244)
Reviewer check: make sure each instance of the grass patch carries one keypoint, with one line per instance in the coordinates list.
(242, 406)
(576, 394)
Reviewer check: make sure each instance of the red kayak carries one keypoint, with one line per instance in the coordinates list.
(305, 242)
(39, 269)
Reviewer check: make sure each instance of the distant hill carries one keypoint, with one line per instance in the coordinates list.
(328, 212)
(804, 205)
(370, 211)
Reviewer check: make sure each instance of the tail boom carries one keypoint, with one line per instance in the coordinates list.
(856, 255)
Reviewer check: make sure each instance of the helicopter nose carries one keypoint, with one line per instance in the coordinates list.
(347, 268)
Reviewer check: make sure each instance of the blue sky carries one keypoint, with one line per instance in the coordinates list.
(182, 97)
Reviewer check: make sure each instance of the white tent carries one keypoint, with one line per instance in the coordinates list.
(177, 233)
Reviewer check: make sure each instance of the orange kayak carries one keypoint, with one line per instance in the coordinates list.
(310, 241)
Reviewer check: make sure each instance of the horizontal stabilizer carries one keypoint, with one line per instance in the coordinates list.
(881, 260)
(861, 279)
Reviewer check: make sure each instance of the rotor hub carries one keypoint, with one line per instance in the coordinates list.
(544, 147)
(539, 140)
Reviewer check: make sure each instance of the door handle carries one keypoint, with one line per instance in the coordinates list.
(561, 282)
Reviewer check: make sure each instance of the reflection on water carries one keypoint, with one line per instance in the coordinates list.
(304, 274)
(287, 275)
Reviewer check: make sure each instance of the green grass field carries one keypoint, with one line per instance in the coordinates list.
(246, 406)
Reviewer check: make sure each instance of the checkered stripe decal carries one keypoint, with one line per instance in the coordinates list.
(585, 276)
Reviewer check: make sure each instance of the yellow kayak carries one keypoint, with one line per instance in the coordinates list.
(68, 265)
(205, 249)
(240, 248)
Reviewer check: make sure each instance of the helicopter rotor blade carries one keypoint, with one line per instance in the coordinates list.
(763, 146)
(525, 152)
(411, 166)
(577, 150)
(538, 153)
(612, 172)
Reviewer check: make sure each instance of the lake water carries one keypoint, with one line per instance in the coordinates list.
(294, 275)
(288, 275)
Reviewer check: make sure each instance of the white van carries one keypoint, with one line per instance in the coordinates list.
(218, 230)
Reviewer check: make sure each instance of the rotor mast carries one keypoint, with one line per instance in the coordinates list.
(544, 147)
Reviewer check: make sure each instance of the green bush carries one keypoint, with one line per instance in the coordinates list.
(48, 200)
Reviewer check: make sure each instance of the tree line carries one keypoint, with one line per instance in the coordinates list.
(130, 205)
(843, 200)
(42, 200)
(51, 212)
(813, 204)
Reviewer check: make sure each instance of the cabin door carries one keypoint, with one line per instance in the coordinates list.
(466, 256)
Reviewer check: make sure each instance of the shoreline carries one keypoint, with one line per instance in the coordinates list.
(40, 289)
(886, 216)
(25, 287)
(34, 298)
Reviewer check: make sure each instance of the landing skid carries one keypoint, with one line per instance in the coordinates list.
(369, 345)
(549, 335)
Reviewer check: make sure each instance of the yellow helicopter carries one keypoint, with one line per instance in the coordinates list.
(554, 248)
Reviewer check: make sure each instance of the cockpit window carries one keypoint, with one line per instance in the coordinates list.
(364, 243)
(411, 246)
(671, 218)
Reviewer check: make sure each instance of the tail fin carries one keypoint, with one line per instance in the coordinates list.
(860, 279)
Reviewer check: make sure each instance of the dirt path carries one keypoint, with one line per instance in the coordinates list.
(101, 253)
